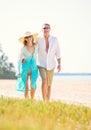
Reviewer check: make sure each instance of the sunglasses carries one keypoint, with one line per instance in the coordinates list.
(46, 28)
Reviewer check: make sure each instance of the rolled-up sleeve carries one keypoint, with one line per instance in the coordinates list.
(58, 49)
(19, 61)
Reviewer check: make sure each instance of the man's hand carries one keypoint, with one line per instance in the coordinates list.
(23, 61)
(59, 68)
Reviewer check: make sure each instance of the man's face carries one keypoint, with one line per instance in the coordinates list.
(46, 30)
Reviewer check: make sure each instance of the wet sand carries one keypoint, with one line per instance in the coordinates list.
(78, 92)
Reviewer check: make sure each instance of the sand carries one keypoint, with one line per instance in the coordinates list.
(78, 92)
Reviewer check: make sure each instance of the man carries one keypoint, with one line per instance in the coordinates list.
(48, 49)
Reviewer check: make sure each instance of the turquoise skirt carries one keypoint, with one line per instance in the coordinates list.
(29, 65)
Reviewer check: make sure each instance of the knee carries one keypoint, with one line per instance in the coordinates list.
(44, 82)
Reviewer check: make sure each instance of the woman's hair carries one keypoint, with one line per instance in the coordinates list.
(25, 41)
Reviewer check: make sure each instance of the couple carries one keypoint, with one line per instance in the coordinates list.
(38, 54)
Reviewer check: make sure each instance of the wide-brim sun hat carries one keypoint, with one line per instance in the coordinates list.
(27, 34)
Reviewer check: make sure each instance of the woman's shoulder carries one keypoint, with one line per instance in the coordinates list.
(23, 48)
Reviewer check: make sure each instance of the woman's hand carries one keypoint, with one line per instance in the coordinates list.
(18, 75)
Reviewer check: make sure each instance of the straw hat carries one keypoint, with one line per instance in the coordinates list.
(21, 39)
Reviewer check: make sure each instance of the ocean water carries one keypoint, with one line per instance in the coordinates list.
(72, 76)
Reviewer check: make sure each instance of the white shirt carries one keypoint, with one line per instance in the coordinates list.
(48, 59)
(25, 54)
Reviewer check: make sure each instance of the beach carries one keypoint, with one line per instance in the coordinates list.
(73, 92)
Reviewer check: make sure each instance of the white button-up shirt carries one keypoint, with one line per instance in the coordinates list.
(48, 59)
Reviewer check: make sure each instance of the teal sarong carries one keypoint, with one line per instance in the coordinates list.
(30, 64)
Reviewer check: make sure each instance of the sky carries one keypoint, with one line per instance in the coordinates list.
(70, 22)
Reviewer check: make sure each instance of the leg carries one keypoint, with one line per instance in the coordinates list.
(48, 93)
(33, 79)
(44, 88)
(49, 76)
(42, 72)
(32, 93)
(26, 93)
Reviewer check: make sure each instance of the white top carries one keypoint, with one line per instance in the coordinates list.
(48, 59)
(25, 54)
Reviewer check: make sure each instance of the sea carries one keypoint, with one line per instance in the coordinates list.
(72, 76)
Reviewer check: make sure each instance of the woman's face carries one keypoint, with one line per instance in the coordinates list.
(29, 41)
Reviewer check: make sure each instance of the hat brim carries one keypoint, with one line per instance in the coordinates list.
(35, 35)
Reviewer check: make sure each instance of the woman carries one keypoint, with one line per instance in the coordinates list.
(27, 65)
